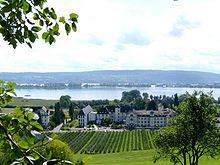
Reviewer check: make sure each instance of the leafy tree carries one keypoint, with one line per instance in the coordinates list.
(59, 115)
(152, 105)
(192, 133)
(130, 96)
(167, 101)
(56, 149)
(176, 100)
(19, 137)
(145, 95)
(72, 110)
(106, 121)
(22, 21)
(65, 101)
(138, 103)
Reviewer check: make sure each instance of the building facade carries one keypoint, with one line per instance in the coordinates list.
(42, 112)
(133, 119)
(84, 117)
(149, 119)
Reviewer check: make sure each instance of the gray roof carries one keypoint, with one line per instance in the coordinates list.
(161, 113)
(85, 110)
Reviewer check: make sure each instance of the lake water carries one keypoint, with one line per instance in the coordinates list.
(105, 93)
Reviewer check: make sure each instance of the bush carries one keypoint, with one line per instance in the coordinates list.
(57, 149)
(116, 126)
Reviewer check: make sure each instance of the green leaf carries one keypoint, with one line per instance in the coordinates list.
(55, 30)
(67, 28)
(45, 35)
(6, 8)
(49, 155)
(73, 16)
(2, 81)
(41, 22)
(29, 44)
(53, 14)
(36, 16)
(62, 20)
(25, 31)
(30, 140)
(36, 35)
(46, 10)
(74, 27)
(23, 144)
(7, 117)
(37, 2)
(22, 120)
(11, 84)
(36, 125)
(30, 22)
(26, 7)
(30, 115)
(51, 39)
(36, 28)
(31, 36)
(18, 111)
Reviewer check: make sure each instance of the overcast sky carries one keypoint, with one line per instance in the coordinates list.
(126, 34)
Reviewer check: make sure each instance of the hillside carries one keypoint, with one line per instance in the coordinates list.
(114, 76)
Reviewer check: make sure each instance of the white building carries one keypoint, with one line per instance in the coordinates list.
(83, 116)
(92, 117)
(45, 116)
(118, 113)
(102, 114)
(42, 112)
(149, 119)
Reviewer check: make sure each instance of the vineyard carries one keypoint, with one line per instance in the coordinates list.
(107, 142)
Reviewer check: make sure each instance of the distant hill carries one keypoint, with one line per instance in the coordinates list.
(114, 76)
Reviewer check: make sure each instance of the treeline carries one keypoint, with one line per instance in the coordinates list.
(49, 86)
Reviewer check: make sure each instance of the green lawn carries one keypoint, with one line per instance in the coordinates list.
(133, 158)
(19, 101)
(7, 110)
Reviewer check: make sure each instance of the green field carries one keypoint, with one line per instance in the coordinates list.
(19, 101)
(107, 142)
(117, 148)
(143, 157)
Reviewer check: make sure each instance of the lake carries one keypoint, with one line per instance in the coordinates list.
(105, 93)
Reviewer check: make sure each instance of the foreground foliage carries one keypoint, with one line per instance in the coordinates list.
(20, 139)
(192, 134)
(22, 21)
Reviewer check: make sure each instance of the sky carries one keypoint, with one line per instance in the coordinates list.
(126, 34)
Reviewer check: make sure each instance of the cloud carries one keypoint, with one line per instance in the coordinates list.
(93, 39)
(181, 25)
(119, 47)
(135, 37)
(177, 32)
(115, 34)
